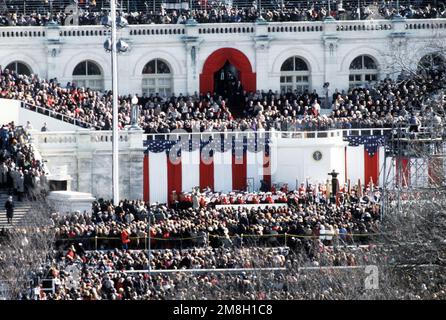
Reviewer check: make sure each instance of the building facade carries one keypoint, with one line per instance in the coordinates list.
(190, 58)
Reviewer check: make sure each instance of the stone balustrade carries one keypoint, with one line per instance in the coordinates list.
(85, 159)
(224, 28)
(327, 47)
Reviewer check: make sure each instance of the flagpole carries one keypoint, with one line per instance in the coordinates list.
(115, 140)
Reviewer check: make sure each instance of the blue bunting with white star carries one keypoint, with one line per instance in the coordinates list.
(371, 143)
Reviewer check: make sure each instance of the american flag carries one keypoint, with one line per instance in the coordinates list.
(238, 144)
(371, 143)
(222, 162)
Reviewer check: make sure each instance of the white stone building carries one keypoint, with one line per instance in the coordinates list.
(185, 58)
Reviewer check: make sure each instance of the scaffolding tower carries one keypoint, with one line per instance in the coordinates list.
(414, 166)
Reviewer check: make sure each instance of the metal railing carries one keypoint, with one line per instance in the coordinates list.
(57, 115)
(202, 241)
(315, 134)
(176, 31)
(146, 6)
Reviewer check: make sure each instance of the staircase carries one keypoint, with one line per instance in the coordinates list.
(20, 210)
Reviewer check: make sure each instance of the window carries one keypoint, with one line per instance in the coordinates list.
(363, 71)
(294, 75)
(432, 64)
(157, 78)
(19, 67)
(88, 74)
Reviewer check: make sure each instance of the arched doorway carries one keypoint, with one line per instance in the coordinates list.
(225, 80)
(227, 59)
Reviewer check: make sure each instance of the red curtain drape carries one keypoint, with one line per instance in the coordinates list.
(207, 173)
(239, 171)
(146, 185)
(217, 60)
(371, 167)
(267, 169)
(174, 176)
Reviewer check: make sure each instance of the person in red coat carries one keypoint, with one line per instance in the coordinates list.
(224, 200)
(269, 199)
(240, 200)
(284, 188)
(202, 202)
(125, 239)
(282, 198)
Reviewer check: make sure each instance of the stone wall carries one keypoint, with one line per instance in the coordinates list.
(84, 158)
(327, 47)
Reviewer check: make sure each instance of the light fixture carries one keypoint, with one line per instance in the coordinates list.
(121, 22)
(135, 113)
(106, 21)
(122, 46)
(108, 45)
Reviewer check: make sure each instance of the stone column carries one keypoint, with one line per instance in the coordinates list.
(261, 67)
(397, 49)
(135, 159)
(53, 48)
(331, 72)
(84, 162)
(192, 44)
(84, 172)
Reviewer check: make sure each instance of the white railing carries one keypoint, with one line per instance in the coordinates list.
(57, 115)
(226, 270)
(316, 134)
(131, 137)
(85, 139)
(58, 137)
(156, 29)
(300, 26)
(22, 32)
(247, 28)
(225, 28)
(423, 24)
(107, 136)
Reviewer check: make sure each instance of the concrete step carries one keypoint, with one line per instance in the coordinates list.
(20, 211)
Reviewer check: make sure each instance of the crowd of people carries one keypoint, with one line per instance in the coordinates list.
(381, 105)
(105, 254)
(20, 172)
(91, 13)
(123, 275)
(306, 214)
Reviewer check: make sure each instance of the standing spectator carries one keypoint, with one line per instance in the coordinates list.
(9, 206)
(20, 185)
(125, 239)
(28, 126)
(3, 174)
(415, 123)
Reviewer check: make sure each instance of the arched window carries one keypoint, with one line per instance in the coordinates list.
(157, 78)
(363, 70)
(432, 64)
(88, 74)
(294, 75)
(19, 67)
